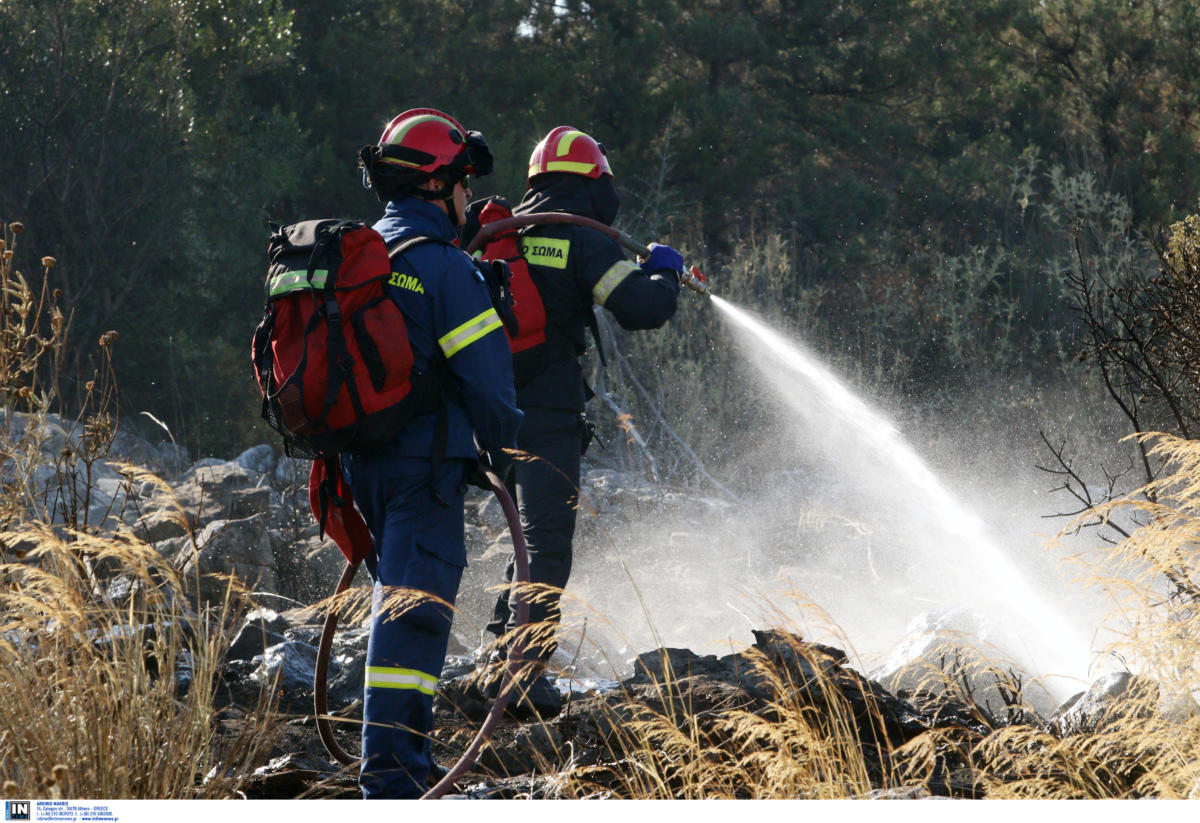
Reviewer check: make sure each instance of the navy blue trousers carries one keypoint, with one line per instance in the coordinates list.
(416, 565)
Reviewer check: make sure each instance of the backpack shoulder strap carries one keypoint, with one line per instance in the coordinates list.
(401, 246)
(441, 427)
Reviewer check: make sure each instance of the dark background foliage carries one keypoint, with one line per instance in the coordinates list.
(146, 142)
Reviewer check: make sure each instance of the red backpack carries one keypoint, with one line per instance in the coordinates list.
(333, 360)
(527, 326)
(331, 355)
(520, 303)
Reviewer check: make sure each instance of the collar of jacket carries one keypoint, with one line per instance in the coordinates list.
(573, 194)
(419, 218)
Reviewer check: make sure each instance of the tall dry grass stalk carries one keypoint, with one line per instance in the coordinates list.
(1149, 743)
(112, 693)
(667, 741)
(109, 673)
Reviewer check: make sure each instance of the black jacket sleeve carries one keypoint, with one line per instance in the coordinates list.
(636, 299)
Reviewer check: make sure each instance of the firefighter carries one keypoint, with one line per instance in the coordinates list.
(574, 268)
(411, 491)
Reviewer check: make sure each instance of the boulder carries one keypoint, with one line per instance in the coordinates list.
(290, 473)
(261, 629)
(260, 459)
(1111, 699)
(232, 547)
(949, 652)
(290, 667)
(112, 501)
(490, 514)
(212, 490)
(164, 458)
(160, 523)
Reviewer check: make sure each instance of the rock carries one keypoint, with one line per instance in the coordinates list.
(48, 432)
(287, 776)
(161, 523)
(345, 683)
(949, 651)
(1111, 699)
(260, 458)
(541, 743)
(165, 459)
(899, 793)
(209, 490)
(290, 668)
(261, 629)
(249, 502)
(476, 540)
(291, 472)
(490, 513)
(662, 665)
(111, 502)
(238, 547)
(502, 546)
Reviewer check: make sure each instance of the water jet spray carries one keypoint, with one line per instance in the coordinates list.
(872, 434)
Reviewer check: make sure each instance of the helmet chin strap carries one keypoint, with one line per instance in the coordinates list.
(445, 195)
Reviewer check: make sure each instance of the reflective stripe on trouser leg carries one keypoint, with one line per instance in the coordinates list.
(420, 547)
(404, 658)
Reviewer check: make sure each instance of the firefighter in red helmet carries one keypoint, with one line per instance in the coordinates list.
(574, 269)
(411, 490)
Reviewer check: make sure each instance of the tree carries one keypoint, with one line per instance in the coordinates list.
(133, 144)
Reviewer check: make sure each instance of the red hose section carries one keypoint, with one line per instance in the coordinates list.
(322, 670)
(521, 576)
(486, 232)
(464, 764)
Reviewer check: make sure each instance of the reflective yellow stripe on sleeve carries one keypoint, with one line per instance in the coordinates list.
(611, 279)
(386, 677)
(469, 332)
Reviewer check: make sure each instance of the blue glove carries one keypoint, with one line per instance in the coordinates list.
(663, 258)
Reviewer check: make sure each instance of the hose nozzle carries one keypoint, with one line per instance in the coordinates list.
(695, 280)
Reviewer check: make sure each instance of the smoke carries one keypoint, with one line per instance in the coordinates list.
(846, 534)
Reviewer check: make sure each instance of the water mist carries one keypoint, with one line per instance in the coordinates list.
(1053, 642)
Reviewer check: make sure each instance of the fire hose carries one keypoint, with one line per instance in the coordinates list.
(471, 754)
(692, 278)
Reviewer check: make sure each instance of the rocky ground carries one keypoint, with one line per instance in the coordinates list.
(249, 516)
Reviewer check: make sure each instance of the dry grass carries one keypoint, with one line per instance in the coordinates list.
(110, 693)
(108, 671)
(110, 674)
(813, 738)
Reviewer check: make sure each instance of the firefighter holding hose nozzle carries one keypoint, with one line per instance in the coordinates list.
(559, 271)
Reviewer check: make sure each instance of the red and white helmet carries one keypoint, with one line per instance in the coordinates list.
(568, 150)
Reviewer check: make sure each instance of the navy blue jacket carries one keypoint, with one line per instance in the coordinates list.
(449, 314)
